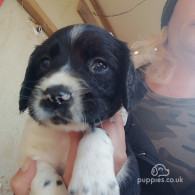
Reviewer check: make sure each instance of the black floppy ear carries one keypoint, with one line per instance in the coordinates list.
(25, 90)
(27, 86)
(134, 89)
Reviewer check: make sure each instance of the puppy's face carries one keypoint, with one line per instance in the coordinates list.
(76, 78)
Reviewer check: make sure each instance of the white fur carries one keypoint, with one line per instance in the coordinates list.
(73, 84)
(75, 32)
(60, 78)
(45, 181)
(93, 171)
(42, 143)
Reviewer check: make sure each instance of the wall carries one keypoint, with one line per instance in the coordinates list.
(61, 12)
(139, 23)
(17, 41)
(64, 12)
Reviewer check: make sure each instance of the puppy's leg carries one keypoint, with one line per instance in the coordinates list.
(93, 172)
(47, 181)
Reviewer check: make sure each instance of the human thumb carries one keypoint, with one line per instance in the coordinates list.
(21, 181)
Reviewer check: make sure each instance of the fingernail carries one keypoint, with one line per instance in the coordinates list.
(26, 164)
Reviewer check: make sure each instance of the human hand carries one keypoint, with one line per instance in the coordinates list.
(21, 181)
(115, 130)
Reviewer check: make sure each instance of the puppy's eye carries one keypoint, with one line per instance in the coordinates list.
(45, 64)
(98, 66)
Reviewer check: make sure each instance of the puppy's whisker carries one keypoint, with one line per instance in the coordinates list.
(22, 98)
(27, 88)
(83, 117)
(106, 108)
(26, 96)
(35, 82)
(94, 123)
(100, 121)
(82, 94)
(81, 91)
(95, 101)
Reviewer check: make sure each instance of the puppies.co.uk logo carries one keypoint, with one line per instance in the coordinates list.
(160, 173)
(160, 170)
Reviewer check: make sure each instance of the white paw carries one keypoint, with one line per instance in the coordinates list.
(47, 181)
(94, 186)
(93, 172)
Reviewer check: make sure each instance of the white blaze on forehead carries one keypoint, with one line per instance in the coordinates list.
(60, 78)
(76, 31)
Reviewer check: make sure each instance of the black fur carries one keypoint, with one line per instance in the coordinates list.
(107, 90)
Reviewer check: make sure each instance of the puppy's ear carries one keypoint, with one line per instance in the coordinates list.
(27, 86)
(133, 89)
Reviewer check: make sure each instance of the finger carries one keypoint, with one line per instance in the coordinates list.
(115, 129)
(118, 121)
(75, 137)
(21, 181)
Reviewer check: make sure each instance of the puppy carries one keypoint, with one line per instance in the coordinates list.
(76, 79)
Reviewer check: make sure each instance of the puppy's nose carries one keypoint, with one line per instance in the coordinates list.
(57, 94)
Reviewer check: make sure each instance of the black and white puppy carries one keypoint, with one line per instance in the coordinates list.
(76, 79)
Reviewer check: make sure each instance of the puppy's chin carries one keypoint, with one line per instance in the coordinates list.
(59, 121)
(69, 126)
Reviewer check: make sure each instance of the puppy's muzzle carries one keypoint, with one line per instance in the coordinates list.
(57, 96)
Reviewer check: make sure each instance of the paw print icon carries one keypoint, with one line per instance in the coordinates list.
(159, 170)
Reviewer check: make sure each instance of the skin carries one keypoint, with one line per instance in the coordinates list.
(21, 181)
(181, 46)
